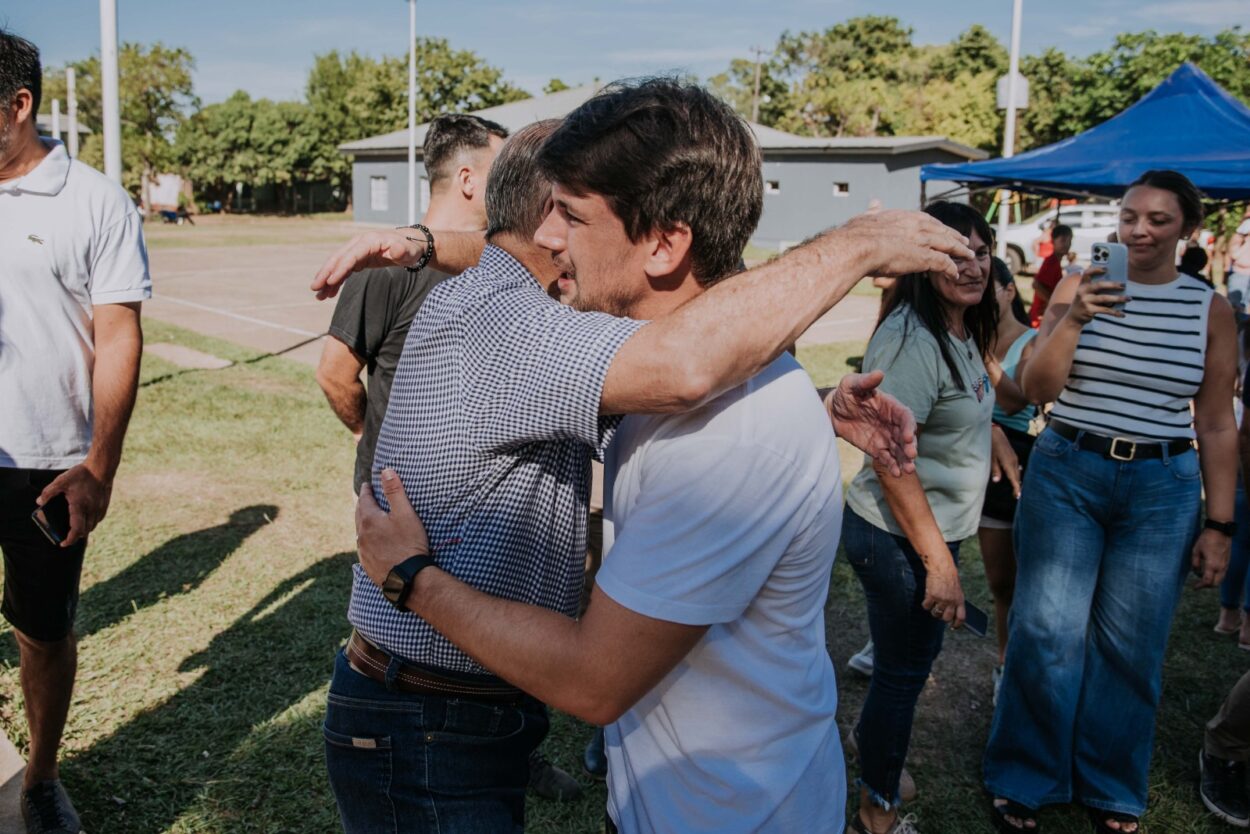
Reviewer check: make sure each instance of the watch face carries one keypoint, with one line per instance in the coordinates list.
(393, 587)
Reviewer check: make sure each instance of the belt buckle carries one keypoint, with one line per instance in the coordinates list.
(1132, 449)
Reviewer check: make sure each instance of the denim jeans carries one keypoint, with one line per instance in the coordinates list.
(400, 762)
(1102, 549)
(1235, 589)
(906, 640)
(1238, 290)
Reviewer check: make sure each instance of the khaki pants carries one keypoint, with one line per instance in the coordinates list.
(1228, 733)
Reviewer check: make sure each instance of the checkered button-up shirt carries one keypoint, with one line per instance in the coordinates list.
(493, 417)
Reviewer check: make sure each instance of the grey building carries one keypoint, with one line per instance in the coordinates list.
(809, 184)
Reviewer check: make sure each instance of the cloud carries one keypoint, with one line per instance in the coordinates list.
(1201, 12)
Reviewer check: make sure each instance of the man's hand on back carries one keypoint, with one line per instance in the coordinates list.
(898, 243)
(873, 422)
(370, 250)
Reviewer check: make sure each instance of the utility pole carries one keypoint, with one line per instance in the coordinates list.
(109, 90)
(71, 101)
(1009, 127)
(755, 96)
(412, 112)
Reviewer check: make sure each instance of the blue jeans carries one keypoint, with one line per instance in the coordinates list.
(1235, 589)
(1238, 290)
(1102, 549)
(906, 640)
(400, 762)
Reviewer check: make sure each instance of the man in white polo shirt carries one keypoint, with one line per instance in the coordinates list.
(73, 271)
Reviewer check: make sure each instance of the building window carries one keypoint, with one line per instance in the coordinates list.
(841, 189)
(379, 194)
(772, 186)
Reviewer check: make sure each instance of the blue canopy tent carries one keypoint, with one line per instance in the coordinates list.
(1188, 124)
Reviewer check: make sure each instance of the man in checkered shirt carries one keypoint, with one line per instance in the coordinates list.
(496, 407)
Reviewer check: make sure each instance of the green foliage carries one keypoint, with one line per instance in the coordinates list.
(555, 85)
(156, 96)
(865, 77)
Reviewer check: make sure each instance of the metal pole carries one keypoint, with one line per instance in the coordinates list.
(56, 119)
(109, 91)
(1009, 128)
(755, 96)
(412, 112)
(71, 100)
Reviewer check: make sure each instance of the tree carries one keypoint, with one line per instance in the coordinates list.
(973, 52)
(555, 85)
(156, 96)
(354, 96)
(736, 87)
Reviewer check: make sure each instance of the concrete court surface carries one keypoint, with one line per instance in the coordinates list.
(257, 295)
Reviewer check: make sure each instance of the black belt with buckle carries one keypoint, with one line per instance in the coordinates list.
(1118, 448)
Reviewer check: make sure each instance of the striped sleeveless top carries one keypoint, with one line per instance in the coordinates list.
(1135, 377)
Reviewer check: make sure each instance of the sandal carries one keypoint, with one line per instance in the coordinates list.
(1099, 818)
(1014, 809)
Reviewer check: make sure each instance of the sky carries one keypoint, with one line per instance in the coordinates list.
(266, 46)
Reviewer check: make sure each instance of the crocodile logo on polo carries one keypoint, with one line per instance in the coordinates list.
(35, 239)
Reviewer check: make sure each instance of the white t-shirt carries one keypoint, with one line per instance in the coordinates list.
(70, 238)
(729, 516)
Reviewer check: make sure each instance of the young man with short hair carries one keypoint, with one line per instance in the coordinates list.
(1050, 273)
(497, 494)
(73, 272)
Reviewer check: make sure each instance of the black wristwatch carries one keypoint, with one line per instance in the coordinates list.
(1228, 528)
(429, 246)
(398, 583)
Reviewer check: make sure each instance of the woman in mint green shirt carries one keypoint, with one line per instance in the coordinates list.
(902, 534)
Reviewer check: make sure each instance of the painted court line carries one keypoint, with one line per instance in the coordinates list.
(238, 317)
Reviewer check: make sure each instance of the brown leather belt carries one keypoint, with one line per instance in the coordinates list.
(372, 662)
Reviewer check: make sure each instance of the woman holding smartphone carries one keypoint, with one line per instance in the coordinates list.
(1109, 520)
(902, 534)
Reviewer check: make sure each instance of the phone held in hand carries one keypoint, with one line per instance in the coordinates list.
(1112, 257)
(976, 620)
(52, 519)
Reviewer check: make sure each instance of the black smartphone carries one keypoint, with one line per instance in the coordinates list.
(976, 620)
(52, 519)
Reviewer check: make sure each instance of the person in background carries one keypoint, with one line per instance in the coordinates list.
(1050, 273)
(902, 534)
(1223, 756)
(1072, 265)
(1109, 523)
(73, 274)
(1235, 589)
(1009, 352)
(1238, 282)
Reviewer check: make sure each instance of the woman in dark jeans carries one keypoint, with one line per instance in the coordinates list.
(902, 534)
(1109, 522)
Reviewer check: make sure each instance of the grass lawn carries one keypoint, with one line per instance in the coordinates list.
(213, 603)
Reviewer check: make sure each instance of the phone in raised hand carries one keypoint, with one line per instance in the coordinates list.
(1112, 257)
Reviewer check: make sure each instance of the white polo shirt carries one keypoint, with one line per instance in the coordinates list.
(70, 239)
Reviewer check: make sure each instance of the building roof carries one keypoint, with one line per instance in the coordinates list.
(43, 123)
(517, 114)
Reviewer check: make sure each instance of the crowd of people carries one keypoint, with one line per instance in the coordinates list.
(576, 292)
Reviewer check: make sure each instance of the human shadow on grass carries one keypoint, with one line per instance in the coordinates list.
(180, 752)
(178, 566)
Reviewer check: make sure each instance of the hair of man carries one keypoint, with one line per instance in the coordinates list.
(917, 291)
(663, 153)
(517, 191)
(20, 68)
(1187, 194)
(451, 135)
(1061, 230)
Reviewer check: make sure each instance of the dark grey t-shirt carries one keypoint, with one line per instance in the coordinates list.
(374, 311)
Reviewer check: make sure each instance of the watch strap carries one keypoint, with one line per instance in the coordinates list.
(406, 572)
(1228, 528)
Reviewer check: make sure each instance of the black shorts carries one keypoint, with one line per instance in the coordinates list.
(1000, 501)
(40, 578)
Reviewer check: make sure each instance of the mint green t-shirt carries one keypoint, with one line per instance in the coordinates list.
(954, 425)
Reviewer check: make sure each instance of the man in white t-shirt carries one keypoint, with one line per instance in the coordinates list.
(73, 271)
(703, 646)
